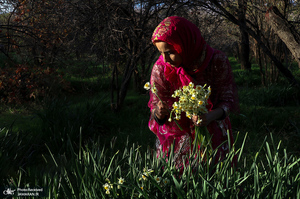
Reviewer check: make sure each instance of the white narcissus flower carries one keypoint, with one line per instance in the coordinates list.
(121, 180)
(175, 105)
(193, 97)
(153, 90)
(198, 88)
(188, 115)
(146, 173)
(147, 86)
(106, 186)
(166, 181)
(148, 170)
(158, 179)
(209, 90)
(199, 121)
(200, 102)
(144, 177)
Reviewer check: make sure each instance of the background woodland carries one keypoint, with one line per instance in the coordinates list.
(115, 35)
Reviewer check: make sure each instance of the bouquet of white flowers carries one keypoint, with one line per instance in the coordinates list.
(193, 101)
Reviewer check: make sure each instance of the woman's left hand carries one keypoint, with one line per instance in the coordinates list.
(208, 117)
(202, 118)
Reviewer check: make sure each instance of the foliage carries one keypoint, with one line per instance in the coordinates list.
(106, 173)
(23, 84)
(35, 30)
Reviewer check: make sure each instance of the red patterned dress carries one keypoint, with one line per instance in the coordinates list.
(211, 67)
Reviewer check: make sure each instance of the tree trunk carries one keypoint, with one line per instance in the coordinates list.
(244, 46)
(285, 31)
(125, 82)
(130, 67)
(259, 57)
(114, 87)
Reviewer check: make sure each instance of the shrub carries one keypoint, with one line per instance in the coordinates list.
(22, 84)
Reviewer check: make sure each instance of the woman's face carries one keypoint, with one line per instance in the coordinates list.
(169, 53)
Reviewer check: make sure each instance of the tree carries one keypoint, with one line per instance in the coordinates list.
(285, 30)
(244, 46)
(217, 7)
(38, 27)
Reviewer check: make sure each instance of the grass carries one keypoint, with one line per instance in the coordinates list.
(17, 121)
(68, 136)
(273, 109)
(95, 171)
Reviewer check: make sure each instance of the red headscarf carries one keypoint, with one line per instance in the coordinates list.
(186, 38)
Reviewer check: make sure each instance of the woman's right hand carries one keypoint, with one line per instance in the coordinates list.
(161, 110)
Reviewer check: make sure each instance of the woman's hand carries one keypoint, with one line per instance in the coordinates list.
(208, 117)
(161, 110)
(202, 118)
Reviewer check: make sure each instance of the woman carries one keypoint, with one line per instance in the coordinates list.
(186, 57)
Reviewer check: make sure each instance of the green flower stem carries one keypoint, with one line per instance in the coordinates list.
(202, 137)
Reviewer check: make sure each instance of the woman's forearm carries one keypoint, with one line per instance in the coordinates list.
(215, 114)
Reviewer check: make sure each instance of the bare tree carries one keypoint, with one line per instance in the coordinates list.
(217, 7)
(130, 27)
(35, 30)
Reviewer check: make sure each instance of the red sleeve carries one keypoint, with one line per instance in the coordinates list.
(225, 90)
(161, 84)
